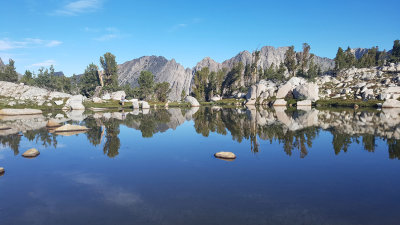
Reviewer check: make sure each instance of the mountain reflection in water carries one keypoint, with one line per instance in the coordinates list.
(296, 130)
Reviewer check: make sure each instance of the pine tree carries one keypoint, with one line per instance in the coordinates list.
(90, 80)
(339, 60)
(290, 60)
(395, 56)
(9, 73)
(110, 68)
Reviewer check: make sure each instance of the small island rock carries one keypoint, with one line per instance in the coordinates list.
(225, 155)
(69, 127)
(33, 152)
(52, 123)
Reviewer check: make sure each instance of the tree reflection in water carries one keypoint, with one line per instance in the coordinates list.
(295, 130)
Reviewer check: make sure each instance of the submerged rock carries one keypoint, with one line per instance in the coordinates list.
(52, 123)
(225, 155)
(33, 152)
(391, 103)
(14, 112)
(69, 128)
(4, 128)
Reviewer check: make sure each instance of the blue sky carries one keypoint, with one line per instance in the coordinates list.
(70, 34)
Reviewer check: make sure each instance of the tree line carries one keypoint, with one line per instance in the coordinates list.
(373, 57)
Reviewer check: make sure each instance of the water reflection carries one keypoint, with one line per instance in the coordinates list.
(294, 129)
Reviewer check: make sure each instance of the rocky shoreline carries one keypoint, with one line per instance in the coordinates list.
(378, 85)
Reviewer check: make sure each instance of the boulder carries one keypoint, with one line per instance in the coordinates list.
(14, 112)
(391, 103)
(304, 103)
(252, 92)
(284, 90)
(225, 155)
(135, 104)
(97, 100)
(59, 102)
(306, 91)
(145, 105)
(12, 103)
(215, 98)
(193, 101)
(280, 102)
(75, 103)
(2, 127)
(107, 96)
(33, 152)
(118, 95)
(52, 123)
(69, 128)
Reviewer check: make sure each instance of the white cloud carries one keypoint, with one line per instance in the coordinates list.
(45, 63)
(53, 43)
(109, 33)
(106, 37)
(77, 7)
(7, 44)
(177, 27)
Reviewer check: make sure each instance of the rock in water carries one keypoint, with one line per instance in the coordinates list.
(304, 103)
(33, 152)
(4, 128)
(145, 105)
(15, 112)
(52, 123)
(69, 128)
(280, 102)
(391, 103)
(193, 101)
(2, 170)
(225, 155)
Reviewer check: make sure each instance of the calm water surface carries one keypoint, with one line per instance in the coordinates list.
(157, 167)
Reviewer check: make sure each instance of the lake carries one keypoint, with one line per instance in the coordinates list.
(311, 166)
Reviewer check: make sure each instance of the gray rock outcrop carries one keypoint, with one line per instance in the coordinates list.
(164, 70)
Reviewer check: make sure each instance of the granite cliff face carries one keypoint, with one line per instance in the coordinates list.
(180, 78)
(164, 70)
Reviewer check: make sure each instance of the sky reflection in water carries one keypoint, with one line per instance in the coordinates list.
(301, 167)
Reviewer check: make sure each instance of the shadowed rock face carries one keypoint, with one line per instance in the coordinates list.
(164, 70)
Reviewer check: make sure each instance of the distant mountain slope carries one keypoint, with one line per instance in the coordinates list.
(181, 78)
(164, 70)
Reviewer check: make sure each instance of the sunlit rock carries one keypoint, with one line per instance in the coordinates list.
(225, 155)
(30, 153)
(12, 112)
(52, 124)
(69, 127)
(193, 101)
